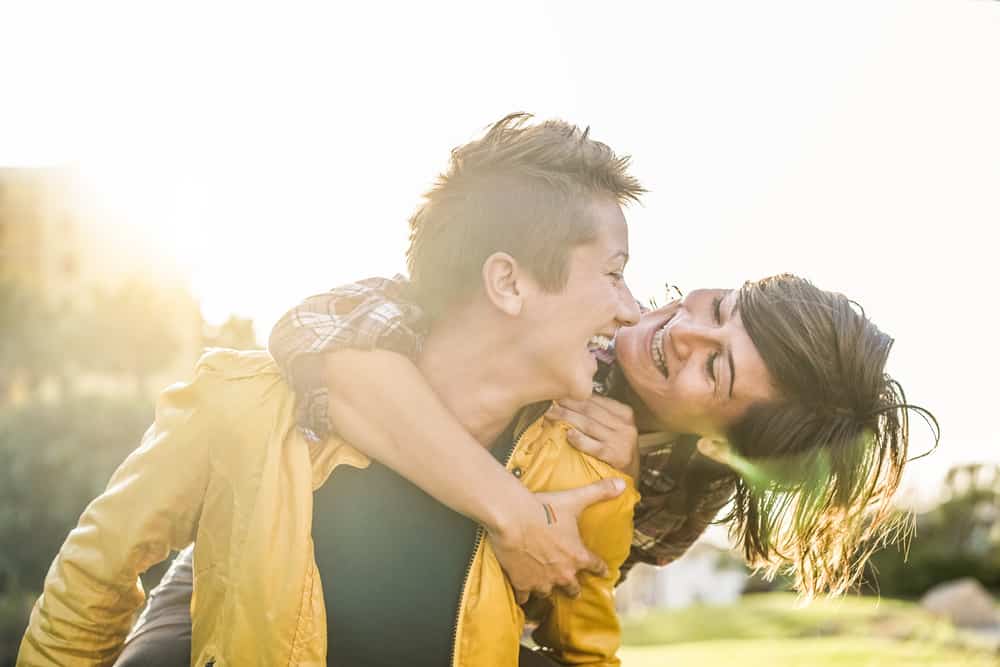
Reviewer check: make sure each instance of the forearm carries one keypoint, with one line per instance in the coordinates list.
(387, 410)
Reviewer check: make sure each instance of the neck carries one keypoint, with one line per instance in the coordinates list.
(472, 366)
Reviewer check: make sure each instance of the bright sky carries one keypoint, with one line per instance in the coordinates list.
(278, 152)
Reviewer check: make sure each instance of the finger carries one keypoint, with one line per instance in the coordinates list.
(579, 406)
(571, 590)
(617, 409)
(521, 596)
(591, 409)
(582, 423)
(586, 444)
(575, 500)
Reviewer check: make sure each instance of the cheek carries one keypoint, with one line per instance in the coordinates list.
(688, 391)
(686, 408)
(603, 294)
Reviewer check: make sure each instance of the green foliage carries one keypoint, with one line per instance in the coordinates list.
(56, 458)
(958, 538)
(14, 610)
(930, 563)
(122, 332)
(126, 333)
(28, 327)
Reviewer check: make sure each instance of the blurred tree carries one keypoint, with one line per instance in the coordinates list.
(960, 537)
(26, 350)
(128, 333)
(56, 458)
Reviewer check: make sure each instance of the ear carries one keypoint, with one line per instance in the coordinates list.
(500, 283)
(717, 450)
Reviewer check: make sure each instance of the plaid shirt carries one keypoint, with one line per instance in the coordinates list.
(681, 491)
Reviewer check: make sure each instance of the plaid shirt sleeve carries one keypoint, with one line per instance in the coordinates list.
(677, 505)
(372, 313)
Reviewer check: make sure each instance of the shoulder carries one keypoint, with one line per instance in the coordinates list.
(550, 463)
(237, 391)
(236, 364)
(239, 373)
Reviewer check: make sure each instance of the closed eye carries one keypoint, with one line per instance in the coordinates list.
(717, 309)
(710, 365)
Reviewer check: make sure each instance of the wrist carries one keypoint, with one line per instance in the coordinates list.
(508, 518)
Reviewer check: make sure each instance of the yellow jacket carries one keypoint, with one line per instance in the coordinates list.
(224, 465)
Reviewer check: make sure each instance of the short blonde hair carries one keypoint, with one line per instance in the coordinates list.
(522, 188)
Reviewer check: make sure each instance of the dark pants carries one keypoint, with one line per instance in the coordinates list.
(162, 635)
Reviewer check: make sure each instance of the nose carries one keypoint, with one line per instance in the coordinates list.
(687, 335)
(628, 308)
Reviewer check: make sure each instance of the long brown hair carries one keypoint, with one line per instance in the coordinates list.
(819, 466)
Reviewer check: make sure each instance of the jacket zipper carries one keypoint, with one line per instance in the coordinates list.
(480, 532)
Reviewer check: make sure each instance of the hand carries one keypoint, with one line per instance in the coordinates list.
(603, 428)
(542, 549)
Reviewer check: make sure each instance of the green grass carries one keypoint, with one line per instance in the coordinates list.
(774, 630)
(826, 652)
(779, 615)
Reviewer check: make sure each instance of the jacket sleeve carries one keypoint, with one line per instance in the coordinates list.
(585, 630)
(150, 507)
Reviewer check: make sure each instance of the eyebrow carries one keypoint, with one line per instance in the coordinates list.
(729, 353)
(732, 371)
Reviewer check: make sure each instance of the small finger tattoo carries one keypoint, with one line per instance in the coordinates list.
(550, 514)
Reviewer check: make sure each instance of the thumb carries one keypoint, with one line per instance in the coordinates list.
(585, 496)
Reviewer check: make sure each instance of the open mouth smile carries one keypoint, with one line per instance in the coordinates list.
(600, 343)
(656, 349)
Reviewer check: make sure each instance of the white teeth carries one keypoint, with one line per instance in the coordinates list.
(657, 345)
(599, 342)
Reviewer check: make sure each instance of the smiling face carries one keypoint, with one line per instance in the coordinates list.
(693, 366)
(562, 325)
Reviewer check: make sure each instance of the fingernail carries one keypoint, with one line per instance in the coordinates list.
(619, 484)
